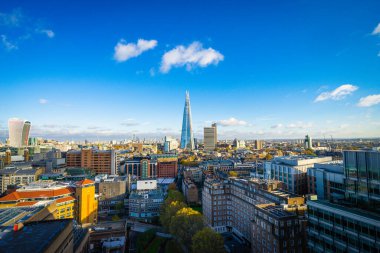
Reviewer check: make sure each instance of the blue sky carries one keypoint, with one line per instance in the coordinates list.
(261, 69)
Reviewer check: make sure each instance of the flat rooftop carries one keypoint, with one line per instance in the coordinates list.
(276, 210)
(33, 237)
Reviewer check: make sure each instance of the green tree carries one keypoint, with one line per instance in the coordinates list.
(169, 211)
(185, 224)
(233, 174)
(115, 217)
(174, 195)
(268, 157)
(208, 241)
(172, 187)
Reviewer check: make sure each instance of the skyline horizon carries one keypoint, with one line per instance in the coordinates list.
(254, 78)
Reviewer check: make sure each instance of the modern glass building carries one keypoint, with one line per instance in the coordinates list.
(187, 138)
(18, 132)
(335, 228)
(362, 171)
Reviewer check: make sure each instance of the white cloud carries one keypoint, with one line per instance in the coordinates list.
(376, 31)
(300, 125)
(130, 122)
(232, 122)
(7, 44)
(338, 94)
(192, 56)
(124, 51)
(369, 101)
(11, 19)
(43, 101)
(47, 32)
(276, 126)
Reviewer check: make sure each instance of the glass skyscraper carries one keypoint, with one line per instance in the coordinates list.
(187, 138)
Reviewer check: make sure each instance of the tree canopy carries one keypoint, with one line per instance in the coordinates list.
(174, 195)
(169, 211)
(185, 224)
(208, 241)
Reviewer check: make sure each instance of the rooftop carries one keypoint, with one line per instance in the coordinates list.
(33, 237)
(275, 210)
(8, 216)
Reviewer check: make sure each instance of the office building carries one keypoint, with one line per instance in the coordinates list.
(87, 201)
(351, 224)
(145, 201)
(210, 138)
(326, 180)
(187, 137)
(259, 144)
(275, 229)
(194, 173)
(15, 175)
(140, 167)
(336, 228)
(292, 171)
(167, 165)
(238, 144)
(308, 143)
(100, 161)
(18, 132)
(362, 179)
(170, 144)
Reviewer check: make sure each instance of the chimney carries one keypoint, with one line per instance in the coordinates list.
(18, 226)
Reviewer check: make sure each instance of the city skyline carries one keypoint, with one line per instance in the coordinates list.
(255, 78)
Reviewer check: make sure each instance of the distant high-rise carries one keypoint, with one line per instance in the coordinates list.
(210, 137)
(308, 142)
(187, 139)
(18, 132)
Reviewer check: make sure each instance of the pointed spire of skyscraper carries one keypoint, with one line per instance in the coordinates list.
(187, 138)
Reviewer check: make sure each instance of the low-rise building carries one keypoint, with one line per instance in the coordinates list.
(67, 201)
(15, 175)
(38, 237)
(111, 191)
(145, 201)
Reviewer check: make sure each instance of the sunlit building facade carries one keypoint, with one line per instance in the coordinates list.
(18, 132)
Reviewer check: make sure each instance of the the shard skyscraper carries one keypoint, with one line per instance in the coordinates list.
(187, 138)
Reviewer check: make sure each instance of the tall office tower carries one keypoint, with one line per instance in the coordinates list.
(25, 133)
(187, 139)
(210, 137)
(308, 142)
(258, 144)
(18, 132)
